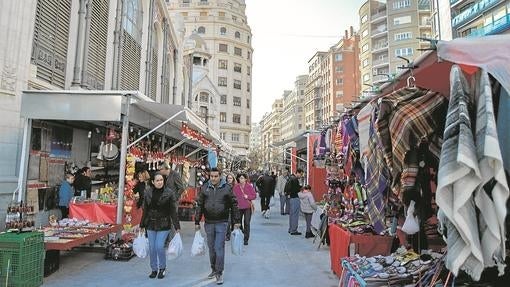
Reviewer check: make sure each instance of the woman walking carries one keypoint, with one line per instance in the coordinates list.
(159, 213)
(245, 193)
(308, 206)
(231, 181)
(142, 178)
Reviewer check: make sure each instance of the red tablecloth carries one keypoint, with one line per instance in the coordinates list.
(365, 245)
(101, 213)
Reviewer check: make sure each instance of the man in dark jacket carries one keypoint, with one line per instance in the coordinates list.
(82, 181)
(266, 185)
(292, 188)
(216, 201)
(172, 179)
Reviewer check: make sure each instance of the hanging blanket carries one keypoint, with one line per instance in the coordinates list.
(363, 127)
(458, 178)
(492, 193)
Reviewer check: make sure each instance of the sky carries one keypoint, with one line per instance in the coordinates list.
(286, 34)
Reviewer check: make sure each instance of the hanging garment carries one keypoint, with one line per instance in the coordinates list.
(458, 177)
(504, 126)
(492, 193)
(328, 139)
(494, 59)
(363, 127)
(212, 158)
(338, 138)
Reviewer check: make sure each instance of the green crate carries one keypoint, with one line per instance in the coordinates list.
(21, 259)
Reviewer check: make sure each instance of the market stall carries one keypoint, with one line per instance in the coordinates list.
(402, 164)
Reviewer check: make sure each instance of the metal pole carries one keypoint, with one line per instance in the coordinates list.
(194, 152)
(88, 21)
(308, 157)
(79, 45)
(176, 145)
(123, 156)
(117, 46)
(25, 152)
(154, 129)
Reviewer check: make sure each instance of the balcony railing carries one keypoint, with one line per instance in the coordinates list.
(495, 27)
(380, 62)
(379, 32)
(379, 46)
(377, 16)
(473, 12)
(379, 78)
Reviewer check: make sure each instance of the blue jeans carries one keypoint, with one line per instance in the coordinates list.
(157, 249)
(216, 243)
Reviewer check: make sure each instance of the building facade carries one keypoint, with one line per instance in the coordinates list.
(87, 45)
(314, 91)
(271, 134)
(224, 28)
(470, 18)
(389, 29)
(293, 118)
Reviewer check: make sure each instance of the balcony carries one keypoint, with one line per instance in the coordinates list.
(474, 11)
(496, 27)
(380, 62)
(424, 5)
(379, 46)
(378, 16)
(379, 78)
(379, 32)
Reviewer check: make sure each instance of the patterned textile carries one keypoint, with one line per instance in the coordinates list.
(458, 177)
(363, 127)
(338, 138)
(377, 179)
(492, 193)
(421, 118)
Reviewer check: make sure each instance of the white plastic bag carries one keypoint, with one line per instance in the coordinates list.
(141, 245)
(237, 239)
(175, 247)
(411, 225)
(198, 246)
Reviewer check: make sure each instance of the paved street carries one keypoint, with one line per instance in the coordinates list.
(273, 258)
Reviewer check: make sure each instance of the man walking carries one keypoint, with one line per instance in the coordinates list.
(216, 201)
(280, 187)
(172, 180)
(292, 189)
(266, 185)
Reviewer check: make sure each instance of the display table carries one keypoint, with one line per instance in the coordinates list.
(101, 212)
(364, 245)
(68, 244)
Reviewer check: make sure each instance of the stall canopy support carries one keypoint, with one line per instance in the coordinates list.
(194, 152)
(176, 145)
(25, 151)
(154, 129)
(123, 156)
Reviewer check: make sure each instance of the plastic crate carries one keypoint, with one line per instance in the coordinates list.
(21, 259)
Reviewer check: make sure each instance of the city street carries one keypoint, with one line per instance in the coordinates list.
(273, 258)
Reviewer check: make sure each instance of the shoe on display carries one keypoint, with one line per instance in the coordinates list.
(219, 279)
(212, 275)
(296, 233)
(153, 274)
(161, 273)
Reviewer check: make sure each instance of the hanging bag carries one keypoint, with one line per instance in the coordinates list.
(237, 241)
(175, 247)
(198, 246)
(411, 225)
(141, 245)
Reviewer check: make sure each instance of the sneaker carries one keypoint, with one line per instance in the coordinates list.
(153, 274)
(212, 275)
(219, 279)
(296, 233)
(161, 274)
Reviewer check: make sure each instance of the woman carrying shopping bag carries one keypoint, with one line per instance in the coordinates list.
(159, 213)
(245, 193)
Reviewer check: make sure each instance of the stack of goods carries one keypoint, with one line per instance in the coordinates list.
(119, 250)
(129, 195)
(61, 231)
(20, 216)
(398, 269)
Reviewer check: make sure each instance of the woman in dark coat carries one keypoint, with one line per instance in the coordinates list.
(159, 213)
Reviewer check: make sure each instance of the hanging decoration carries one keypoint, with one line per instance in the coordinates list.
(192, 134)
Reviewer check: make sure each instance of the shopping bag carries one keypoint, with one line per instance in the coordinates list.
(272, 202)
(175, 247)
(411, 225)
(198, 246)
(237, 239)
(141, 245)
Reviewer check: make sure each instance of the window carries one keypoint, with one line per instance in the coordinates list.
(238, 51)
(248, 103)
(237, 84)
(223, 31)
(235, 137)
(236, 118)
(364, 48)
(237, 67)
(366, 77)
(339, 94)
(401, 4)
(204, 97)
(365, 63)
(203, 14)
(404, 52)
(222, 64)
(248, 39)
(223, 135)
(364, 33)
(221, 14)
(248, 70)
(249, 55)
(222, 81)
(234, 18)
(223, 48)
(223, 99)
(339, 81)
(237, 35)
(223, 117)
(248, 87)
(364, 19)
(402, 20)
(403, 36)
(248, 120)
(237, 101)
(338, 57)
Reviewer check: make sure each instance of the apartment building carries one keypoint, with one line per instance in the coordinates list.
(224, 28)
(271, 133)
(343, 84)
(292, 118)
(389, 29)
(470, 18)
(315, 89)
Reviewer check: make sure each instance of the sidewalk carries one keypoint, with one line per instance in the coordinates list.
(272, 258)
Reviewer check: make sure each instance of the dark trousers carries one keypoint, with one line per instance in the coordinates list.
(245, 219)
(65, 211)
(216, 244)
(264, 202)
(308, 219)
